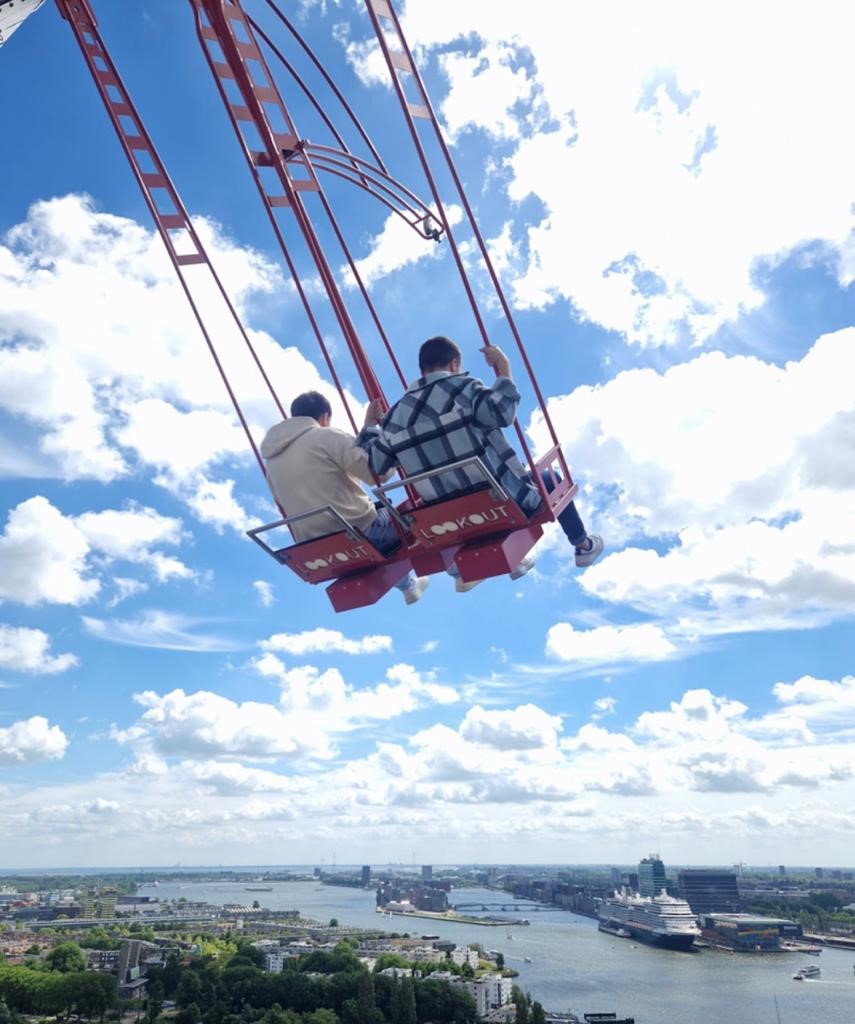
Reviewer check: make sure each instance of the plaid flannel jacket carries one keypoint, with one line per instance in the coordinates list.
(446, 417)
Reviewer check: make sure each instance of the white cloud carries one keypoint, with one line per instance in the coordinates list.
(28, 650)
(604, 706)
(653, 131)
(699, 713)
(325, 701)
(46, 556)
(43, 557)
(264, 590)
(33, 739)
(745, 501)
(607, 644)
(72, 281)
(125, 587)
(526, 727)
(325, 641)
(204, 724)
(129, 535)
(494, 88)
(232, 778)
(161, 629)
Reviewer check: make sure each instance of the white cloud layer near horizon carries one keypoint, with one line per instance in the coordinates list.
(579, 778)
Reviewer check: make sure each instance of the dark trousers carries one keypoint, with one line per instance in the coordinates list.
(570, 520)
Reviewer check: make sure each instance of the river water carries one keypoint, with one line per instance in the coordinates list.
(576, 967)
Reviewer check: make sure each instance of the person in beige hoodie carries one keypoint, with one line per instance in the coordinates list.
(311, 464)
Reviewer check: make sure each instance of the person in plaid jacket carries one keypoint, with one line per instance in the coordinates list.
(446, 416)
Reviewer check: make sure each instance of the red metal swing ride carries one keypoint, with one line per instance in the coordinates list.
(483, 532)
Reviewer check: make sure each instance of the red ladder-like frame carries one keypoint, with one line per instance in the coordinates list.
(170, 216)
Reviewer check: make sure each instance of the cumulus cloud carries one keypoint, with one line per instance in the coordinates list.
(28, 650)
(325, 641)
(43, 557)
(229, 778)
(48, 557)
(33, 739)
(698, 713)
(72, 280)
(605, 644)
(204, 724)
(614, 144)
(325, 699)
(736, 525)
(526, 727)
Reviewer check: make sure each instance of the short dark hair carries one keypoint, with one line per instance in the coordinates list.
(311, 403)
(437, 353)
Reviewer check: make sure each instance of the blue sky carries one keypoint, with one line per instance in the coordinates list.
(675, 232)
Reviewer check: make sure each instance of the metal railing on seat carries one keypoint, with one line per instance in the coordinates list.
(323, 558)
(451, 521)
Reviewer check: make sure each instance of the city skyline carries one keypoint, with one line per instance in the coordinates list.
(677, 234)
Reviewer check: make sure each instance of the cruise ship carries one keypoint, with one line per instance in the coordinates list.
(657, 920)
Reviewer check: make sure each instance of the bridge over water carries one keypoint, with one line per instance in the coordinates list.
(507, 905)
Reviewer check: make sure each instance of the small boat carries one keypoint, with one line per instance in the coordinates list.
(811, 971)
(509, 935)
(527, 959)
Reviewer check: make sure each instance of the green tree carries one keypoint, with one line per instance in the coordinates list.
(154, 1002)
(189, 989)
(537, 1014)
(8, 1016)
(500, 961)
(191, 1014)
(170, 976)
(247, 951)
(321, 1016)
(390, 960)
(521, 1001)
(333, 922)
(408, 1002)
(66, 958)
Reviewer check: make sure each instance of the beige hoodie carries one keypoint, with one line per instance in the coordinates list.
(309, 466)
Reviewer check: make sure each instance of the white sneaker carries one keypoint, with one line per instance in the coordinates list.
(586, 558)
(463, 588)
(415, 590)
(526, 565)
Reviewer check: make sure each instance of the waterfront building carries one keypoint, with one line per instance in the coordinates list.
(709, 890)
(782, 869)
(464, 955)
(427, 872)
(747, 933)
(651, 876)
(819, 872)
(490, 991)
(366, 874)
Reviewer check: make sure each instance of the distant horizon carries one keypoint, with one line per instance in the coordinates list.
(559, 865)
